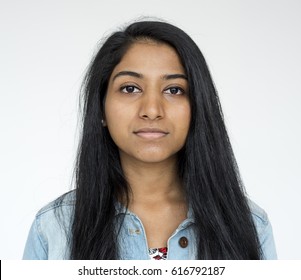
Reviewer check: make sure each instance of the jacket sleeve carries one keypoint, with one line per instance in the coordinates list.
(264, 231)
(35, 248)
(267, 242)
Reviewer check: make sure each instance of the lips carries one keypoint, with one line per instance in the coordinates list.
(150, 133)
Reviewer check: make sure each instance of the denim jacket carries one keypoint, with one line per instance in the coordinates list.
(48, 236)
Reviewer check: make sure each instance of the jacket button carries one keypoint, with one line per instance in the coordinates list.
(183, 242)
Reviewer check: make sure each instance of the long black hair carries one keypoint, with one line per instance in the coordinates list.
(207, 167)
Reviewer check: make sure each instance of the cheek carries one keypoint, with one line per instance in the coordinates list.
(185, 125)
(183, 117)
(117, 118)
(113, 110)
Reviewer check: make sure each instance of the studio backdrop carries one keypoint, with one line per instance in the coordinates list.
(253, 52)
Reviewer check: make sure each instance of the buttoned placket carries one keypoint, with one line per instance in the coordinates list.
(138, 231)
(180, 238)
(182, 241)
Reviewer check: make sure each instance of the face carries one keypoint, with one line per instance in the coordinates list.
(147, 110)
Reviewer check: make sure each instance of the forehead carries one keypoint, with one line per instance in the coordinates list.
(150, 56)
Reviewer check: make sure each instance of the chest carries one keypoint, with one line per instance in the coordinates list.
(160, 223)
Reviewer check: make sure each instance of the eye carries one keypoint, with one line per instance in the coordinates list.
(130, 89)
(174, 90)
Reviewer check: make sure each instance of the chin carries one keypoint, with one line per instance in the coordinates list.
(155, 157)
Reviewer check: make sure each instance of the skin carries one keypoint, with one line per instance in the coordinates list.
(147, 113)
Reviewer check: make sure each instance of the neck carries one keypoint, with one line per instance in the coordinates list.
(153, 182)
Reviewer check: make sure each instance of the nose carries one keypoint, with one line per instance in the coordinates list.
(151, 107)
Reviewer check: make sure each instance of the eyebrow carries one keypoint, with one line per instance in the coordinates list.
(174, 76)
(128, 73)
(140, 76)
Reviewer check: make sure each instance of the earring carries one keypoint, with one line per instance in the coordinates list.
(103, 122)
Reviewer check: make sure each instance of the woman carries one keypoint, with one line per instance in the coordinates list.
(155, 177)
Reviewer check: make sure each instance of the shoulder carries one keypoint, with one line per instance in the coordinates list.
(259, 215)
(56, 215)
(65, 201)
(264, 231)
(50, 230)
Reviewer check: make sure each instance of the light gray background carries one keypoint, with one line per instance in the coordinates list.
(253, 51)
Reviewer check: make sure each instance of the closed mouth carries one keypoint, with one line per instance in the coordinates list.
(150, 133)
